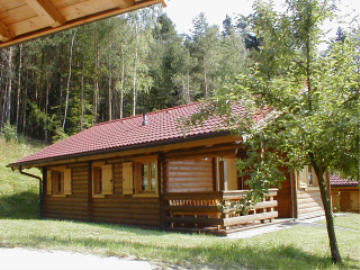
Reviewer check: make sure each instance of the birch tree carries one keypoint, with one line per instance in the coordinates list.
(69, 79)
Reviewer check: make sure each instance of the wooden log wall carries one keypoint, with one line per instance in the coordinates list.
(115, 208)
(74, 206)
(309, 203)
(345, 199)
(126, 209)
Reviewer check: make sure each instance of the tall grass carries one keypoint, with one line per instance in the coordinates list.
(18, 193)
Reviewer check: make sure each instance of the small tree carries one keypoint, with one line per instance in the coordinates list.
(310, 102)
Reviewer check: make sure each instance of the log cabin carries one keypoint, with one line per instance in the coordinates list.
(143, 171)
(345, 194)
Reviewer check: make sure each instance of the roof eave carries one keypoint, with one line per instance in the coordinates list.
(35, 163)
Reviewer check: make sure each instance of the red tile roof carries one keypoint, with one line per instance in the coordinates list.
(163, 127)
(337, 181)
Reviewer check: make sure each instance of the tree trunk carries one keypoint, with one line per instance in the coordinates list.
(135, 69)
(96, 92)
(205, 81)
(69, 80)
(25, 102)
(18, 90)
(335, 254)
(3, 93)
(8, 113)
(109, 88)
(60, 94)
(122, 87)
(82, 97)
(188, 88)
(47, 106)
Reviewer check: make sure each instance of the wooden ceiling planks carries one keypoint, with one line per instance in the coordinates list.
(22, 20)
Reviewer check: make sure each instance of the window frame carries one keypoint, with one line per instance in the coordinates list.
(97, 180)
(151, 189)
(62, 186)
(57, 182)
(106, 184)
(306, 178)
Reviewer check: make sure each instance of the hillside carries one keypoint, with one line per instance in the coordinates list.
(18, 193)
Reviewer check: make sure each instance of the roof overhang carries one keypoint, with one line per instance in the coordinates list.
(208, 139)
(22, 20)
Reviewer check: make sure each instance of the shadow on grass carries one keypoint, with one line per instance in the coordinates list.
(218, 254)
(24, 205)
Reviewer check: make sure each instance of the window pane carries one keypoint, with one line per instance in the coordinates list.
(97, 180)
(310, 176)
(144, 178)
(153, 179)
(59, 183)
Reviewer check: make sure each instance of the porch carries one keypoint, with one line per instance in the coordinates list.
(202, 211)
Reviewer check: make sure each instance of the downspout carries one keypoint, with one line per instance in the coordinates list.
(40, 187)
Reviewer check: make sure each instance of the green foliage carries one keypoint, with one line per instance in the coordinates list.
(9, 132)
(59, 135)
(309, 101)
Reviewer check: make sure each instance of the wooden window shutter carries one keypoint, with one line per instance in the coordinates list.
(107, 179)
(67, 181)
(127, 175)
(231, 174)
(48, 182)
(303, 180)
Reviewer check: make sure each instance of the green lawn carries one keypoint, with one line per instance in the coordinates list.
(18, 193)
(298, 247)
(348, 221)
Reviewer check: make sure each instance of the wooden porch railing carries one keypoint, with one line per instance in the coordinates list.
(201, 209)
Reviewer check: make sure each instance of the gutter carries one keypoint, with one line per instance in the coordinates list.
(40, 187)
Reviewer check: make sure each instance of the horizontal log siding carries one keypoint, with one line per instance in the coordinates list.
(309, 203)
(74, 206)
(190, 175)
(121, 209)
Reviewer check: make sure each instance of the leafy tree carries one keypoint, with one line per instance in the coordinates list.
(311, 100)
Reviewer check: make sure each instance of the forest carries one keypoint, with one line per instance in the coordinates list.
(56, 86)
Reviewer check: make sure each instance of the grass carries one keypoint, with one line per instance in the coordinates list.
(348, 221)
(18, 193)
(298, 247)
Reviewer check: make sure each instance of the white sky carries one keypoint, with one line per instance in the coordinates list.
(182, 12)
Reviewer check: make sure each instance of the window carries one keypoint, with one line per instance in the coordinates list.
(97, 180)
(102, 179)
(140, 176)
(227, 174)
(58, 181)
(145, 177)
(307, 177)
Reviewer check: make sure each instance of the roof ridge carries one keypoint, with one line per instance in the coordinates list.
(149, 113)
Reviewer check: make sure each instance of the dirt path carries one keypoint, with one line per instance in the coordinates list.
(31, 259)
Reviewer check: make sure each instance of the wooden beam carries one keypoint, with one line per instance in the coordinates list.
(123, 3)
(76, 22)
(47, 9)
(5, 32)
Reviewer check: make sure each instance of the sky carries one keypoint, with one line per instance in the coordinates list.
(182, 12)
